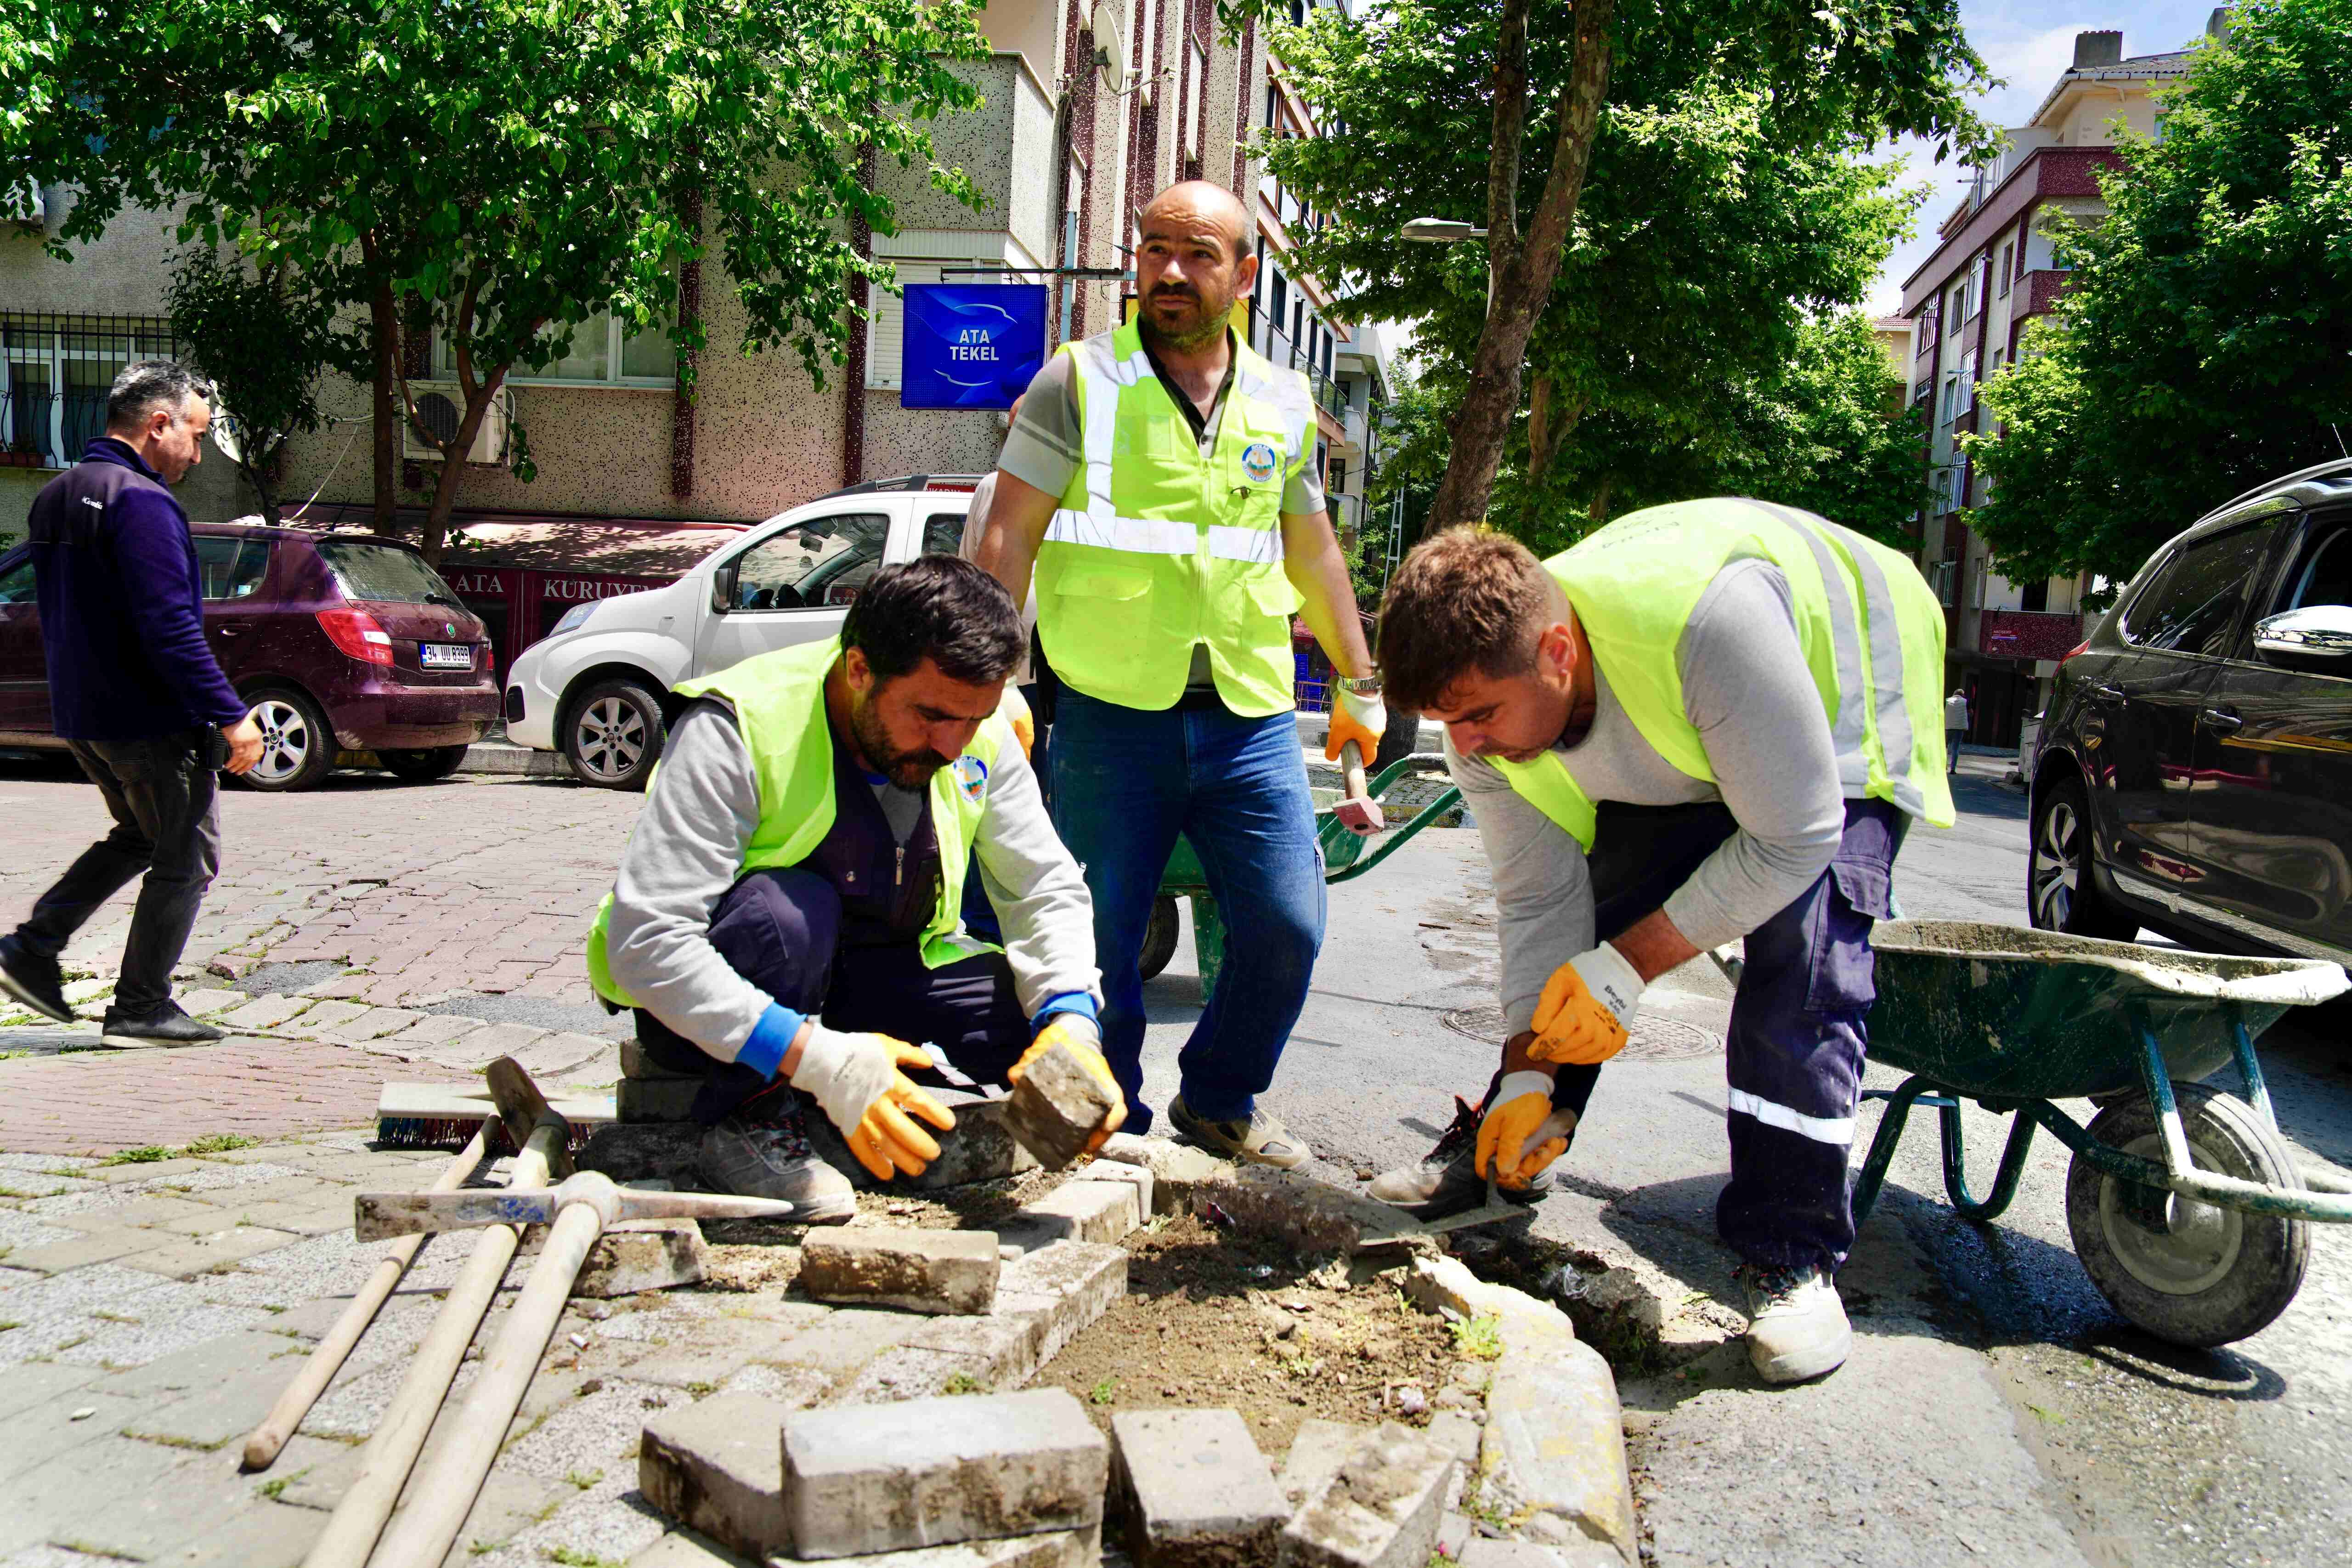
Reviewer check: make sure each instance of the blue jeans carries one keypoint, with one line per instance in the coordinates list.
(1125, 783)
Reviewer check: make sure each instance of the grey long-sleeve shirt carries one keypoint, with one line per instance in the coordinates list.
(1746, 689)
(687, 847)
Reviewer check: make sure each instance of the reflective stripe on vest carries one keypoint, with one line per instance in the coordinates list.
(778, 703)
(1157, 548)
(1857, 605)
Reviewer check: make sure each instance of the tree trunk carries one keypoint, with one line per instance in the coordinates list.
(453, 463)
(1521, 267)
(384, 316)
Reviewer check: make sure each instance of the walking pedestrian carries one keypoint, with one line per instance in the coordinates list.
(138, 697)
(1955, 728)
(1162, 481)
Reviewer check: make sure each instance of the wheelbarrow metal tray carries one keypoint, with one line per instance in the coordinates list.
(2005, 1013)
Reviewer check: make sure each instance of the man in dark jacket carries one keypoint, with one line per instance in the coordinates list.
(138, 697)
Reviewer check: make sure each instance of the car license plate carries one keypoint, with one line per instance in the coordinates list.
(446, 655)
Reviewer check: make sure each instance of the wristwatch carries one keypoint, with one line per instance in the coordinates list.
(1361, 685)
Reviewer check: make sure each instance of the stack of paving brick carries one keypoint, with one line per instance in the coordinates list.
(650, 1092)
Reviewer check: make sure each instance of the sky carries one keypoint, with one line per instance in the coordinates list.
(2026, 46)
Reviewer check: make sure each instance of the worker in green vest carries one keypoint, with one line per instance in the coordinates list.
(1705, 722)
(787, 918)
(1162, 481)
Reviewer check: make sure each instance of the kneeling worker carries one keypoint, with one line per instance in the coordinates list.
(787, 916)
(1705, 721)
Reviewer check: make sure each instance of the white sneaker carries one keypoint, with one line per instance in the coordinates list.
(1796, 1324)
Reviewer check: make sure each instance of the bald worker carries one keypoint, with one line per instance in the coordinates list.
(1160, 481)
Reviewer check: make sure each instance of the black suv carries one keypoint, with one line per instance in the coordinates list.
(2195, 775)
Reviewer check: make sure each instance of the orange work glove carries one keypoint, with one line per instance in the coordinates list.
(1520, 1105)
(857, 1081)
(1585, 1006)
(1355, 716)
(1083, 1037)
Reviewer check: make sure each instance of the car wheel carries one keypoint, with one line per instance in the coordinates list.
(422, 765)
(1159, 938)
(2060, 893)
(297, 747)
(614, 735)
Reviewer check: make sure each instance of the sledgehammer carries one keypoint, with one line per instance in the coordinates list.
(1359, 813)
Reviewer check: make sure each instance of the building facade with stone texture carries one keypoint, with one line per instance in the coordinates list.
(1969, 306)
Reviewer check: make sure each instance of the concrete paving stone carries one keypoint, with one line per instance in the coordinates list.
(1177, 1169)
(343, 988)
(1455, 1433)
(642, 1100)
(140, 1175)
(325, 1016)
(642, 1255)
(1077, 1211)
(980, 1147)
(642, 1151)
(1317, 1452)
(1138, 1177)
(205, 1397)
(1481, 1553)
(635, 1063)
(707, 1352)
(901, 1373)
(937, 1271)
(609, 1522)
(1052, 1549)
(1195, 1491)
(199, 1254)
(259, 1534)
(440, 1029)
(1554, 1441)
(313, 1218)
(1057, 1106)
(796, 1386)
(844, 1341)
(127, 1209)
(203, 1002)
(932, 1471)
(48, 1429)
(507, 1505)
(717, 1466)
(266, 1012)
(159, 1330)
(35, 1383)
(119, 1497)
(372, 1024)
(685, 1549)
(579, 1435)
(1380, 1510)
(92, 1247)
(554, 1055)
(1005, 1345)
(1061, 1289)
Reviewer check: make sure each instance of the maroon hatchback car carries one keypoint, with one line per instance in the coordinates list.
(343, 643)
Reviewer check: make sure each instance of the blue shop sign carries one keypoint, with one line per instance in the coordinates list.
(971, 345)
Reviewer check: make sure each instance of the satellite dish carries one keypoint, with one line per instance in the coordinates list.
(229, 434)
(1110, 51)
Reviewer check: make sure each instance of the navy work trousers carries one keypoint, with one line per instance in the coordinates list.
(1799, 1018)
(780, 930)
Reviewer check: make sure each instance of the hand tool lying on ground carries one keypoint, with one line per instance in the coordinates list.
(351, 1533)
(383, 1215)
(262, 1447)
(582, 1208)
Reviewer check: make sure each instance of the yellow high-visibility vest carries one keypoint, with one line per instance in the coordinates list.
(1871, 628)
(1156, 548)
(779, 702)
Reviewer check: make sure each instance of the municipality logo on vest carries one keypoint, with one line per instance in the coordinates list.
(1258, 462)
(971, 776)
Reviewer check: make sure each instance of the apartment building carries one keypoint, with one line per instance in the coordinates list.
(1969, 305)
(1091, 106)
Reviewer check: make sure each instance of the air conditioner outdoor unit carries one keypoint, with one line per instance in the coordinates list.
(21, 204)
(440, 411)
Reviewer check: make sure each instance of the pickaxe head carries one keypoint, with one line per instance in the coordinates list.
(524, 1111)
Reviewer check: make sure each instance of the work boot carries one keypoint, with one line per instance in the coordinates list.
(161, 1024)
(35, 981)
(1260, 1141)
(1796, 1324)
(1447, 1181)
(768, 1157)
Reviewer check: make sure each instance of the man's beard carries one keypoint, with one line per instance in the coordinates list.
(1209, 326)
(908, 770)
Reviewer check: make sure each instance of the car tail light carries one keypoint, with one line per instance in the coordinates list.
(489, 658)
(357, 634)
(2082, 646)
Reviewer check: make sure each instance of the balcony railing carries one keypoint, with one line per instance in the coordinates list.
(1276, 346)
(58, 371)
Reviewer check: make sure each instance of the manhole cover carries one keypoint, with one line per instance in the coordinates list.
(1653, 1040)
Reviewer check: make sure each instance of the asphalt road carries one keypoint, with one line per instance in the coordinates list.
(1996, 1408)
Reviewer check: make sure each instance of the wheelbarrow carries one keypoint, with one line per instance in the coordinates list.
(1345, 853)
(2186, 1208)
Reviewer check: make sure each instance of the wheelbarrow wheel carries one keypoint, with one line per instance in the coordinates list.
(1158, 937)
(2203, 1275)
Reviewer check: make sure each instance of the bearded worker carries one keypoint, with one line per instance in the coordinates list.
(787, 918)
(1162, 481)
(1706, 721)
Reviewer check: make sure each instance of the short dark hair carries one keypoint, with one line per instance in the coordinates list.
(940, 607)
(1467, 598)
(147, 383)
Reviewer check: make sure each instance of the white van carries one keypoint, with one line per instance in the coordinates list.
(597, 687)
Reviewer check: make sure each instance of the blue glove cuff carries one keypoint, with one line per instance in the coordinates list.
(772, 1036)
(1078, 1002)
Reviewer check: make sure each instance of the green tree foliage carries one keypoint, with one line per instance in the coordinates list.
(500, 172)
(265, 340)
(2205, 341)
(1660, 179)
